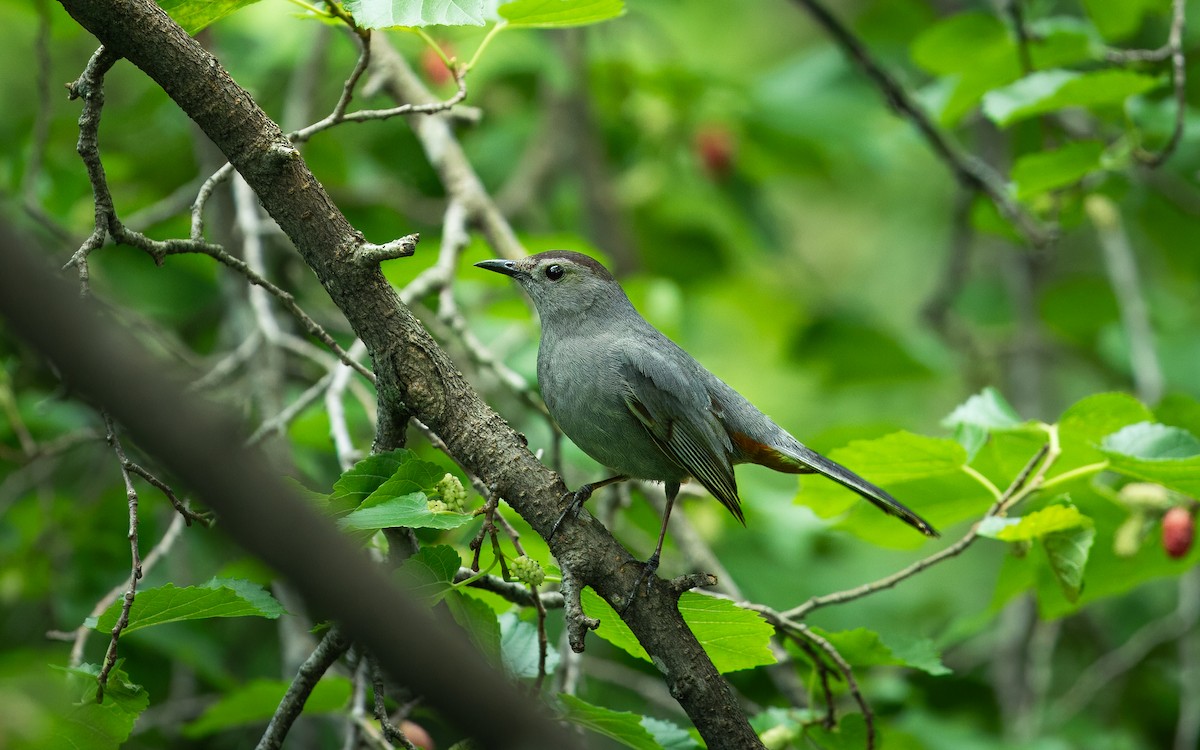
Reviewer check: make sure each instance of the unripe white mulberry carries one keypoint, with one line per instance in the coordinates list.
(454, 495)
(527, 570)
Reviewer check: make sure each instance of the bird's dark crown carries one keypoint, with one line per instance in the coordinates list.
(571, 256)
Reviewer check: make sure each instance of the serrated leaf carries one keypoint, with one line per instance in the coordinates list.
(866, 648)
(986, 409)
(924, 473)
(410, 510)
(1050, 90)
(383, 14)
(1049, 520)
(429, 573)
(478, 620)
(1153, 452)
(1152, 441)
(734, 638)
(256, 702)
(668, 735)
(621, 726)
(1041, 172)
(195, 15)
(979, 415)
(169, 603)
(366, 476)
(87, 724)
(519, 648)
(557, 14)
(1068, 553)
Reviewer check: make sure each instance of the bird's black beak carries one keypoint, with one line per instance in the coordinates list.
(506, 267)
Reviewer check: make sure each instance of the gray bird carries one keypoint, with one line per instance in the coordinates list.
(634, 401)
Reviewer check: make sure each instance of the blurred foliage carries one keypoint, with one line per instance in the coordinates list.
(763, 206)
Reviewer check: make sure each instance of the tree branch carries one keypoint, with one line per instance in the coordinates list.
(414, 375)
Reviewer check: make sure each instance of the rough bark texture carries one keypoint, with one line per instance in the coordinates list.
(414, 374)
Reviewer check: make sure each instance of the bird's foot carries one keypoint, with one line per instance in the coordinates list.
(574, 505)
(648, 571)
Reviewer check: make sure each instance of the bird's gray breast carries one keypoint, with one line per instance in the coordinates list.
(581, 383)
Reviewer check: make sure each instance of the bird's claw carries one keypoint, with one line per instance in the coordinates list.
(647, 575)
(574, 505)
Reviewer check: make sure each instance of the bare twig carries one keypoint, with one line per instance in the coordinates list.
(577, 622)
(390, 731)
(135, 574)
(803, 631)
(1179, 81)
(80, 635)
(328, 651)
(998, 508)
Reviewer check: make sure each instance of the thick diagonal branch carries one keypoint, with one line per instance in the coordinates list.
(414, 375)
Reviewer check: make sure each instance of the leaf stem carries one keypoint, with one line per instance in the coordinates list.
(1073, 474)
(492, 32)
(987, 483)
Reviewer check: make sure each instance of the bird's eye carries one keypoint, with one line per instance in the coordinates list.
(554, 272)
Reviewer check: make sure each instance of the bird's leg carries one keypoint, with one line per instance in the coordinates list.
(651, 566)
(578, 498)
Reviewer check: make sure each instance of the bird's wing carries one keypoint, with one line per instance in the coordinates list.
(680, 418)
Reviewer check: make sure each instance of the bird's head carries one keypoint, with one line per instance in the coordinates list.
(561, 282)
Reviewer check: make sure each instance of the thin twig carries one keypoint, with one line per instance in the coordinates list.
(1179, 80)
(135, 574)
(390, 732)
(847, 671)
(328, 651)
(80, 635)
(1000, 506)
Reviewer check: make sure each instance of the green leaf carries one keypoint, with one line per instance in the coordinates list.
(1117, 20)
(734, 638)
(955, 44)
(410, 510)
(256, 702)
(357, 484)
(99, 726)
(556, 14)
(925, 473)
(985, 412)
(1086, 423)
(1156, 453)
(1152, 441)
(519, 648)
(194, 15)
(622, 726)
(1049, 90)
(849, 734)
(866, 648)
(1068, 553)
(669, 735)
(383, 14)
(478, 620)
(430, 572)
(986, 409)
(217, 598)
(1038, 173)
(1049, 520)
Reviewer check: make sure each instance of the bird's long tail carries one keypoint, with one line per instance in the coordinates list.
(794, 457)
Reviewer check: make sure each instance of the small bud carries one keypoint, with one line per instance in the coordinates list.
(1178, 530)
(528, 571)
(437, 506)
(1128, 539)
(453, 494)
